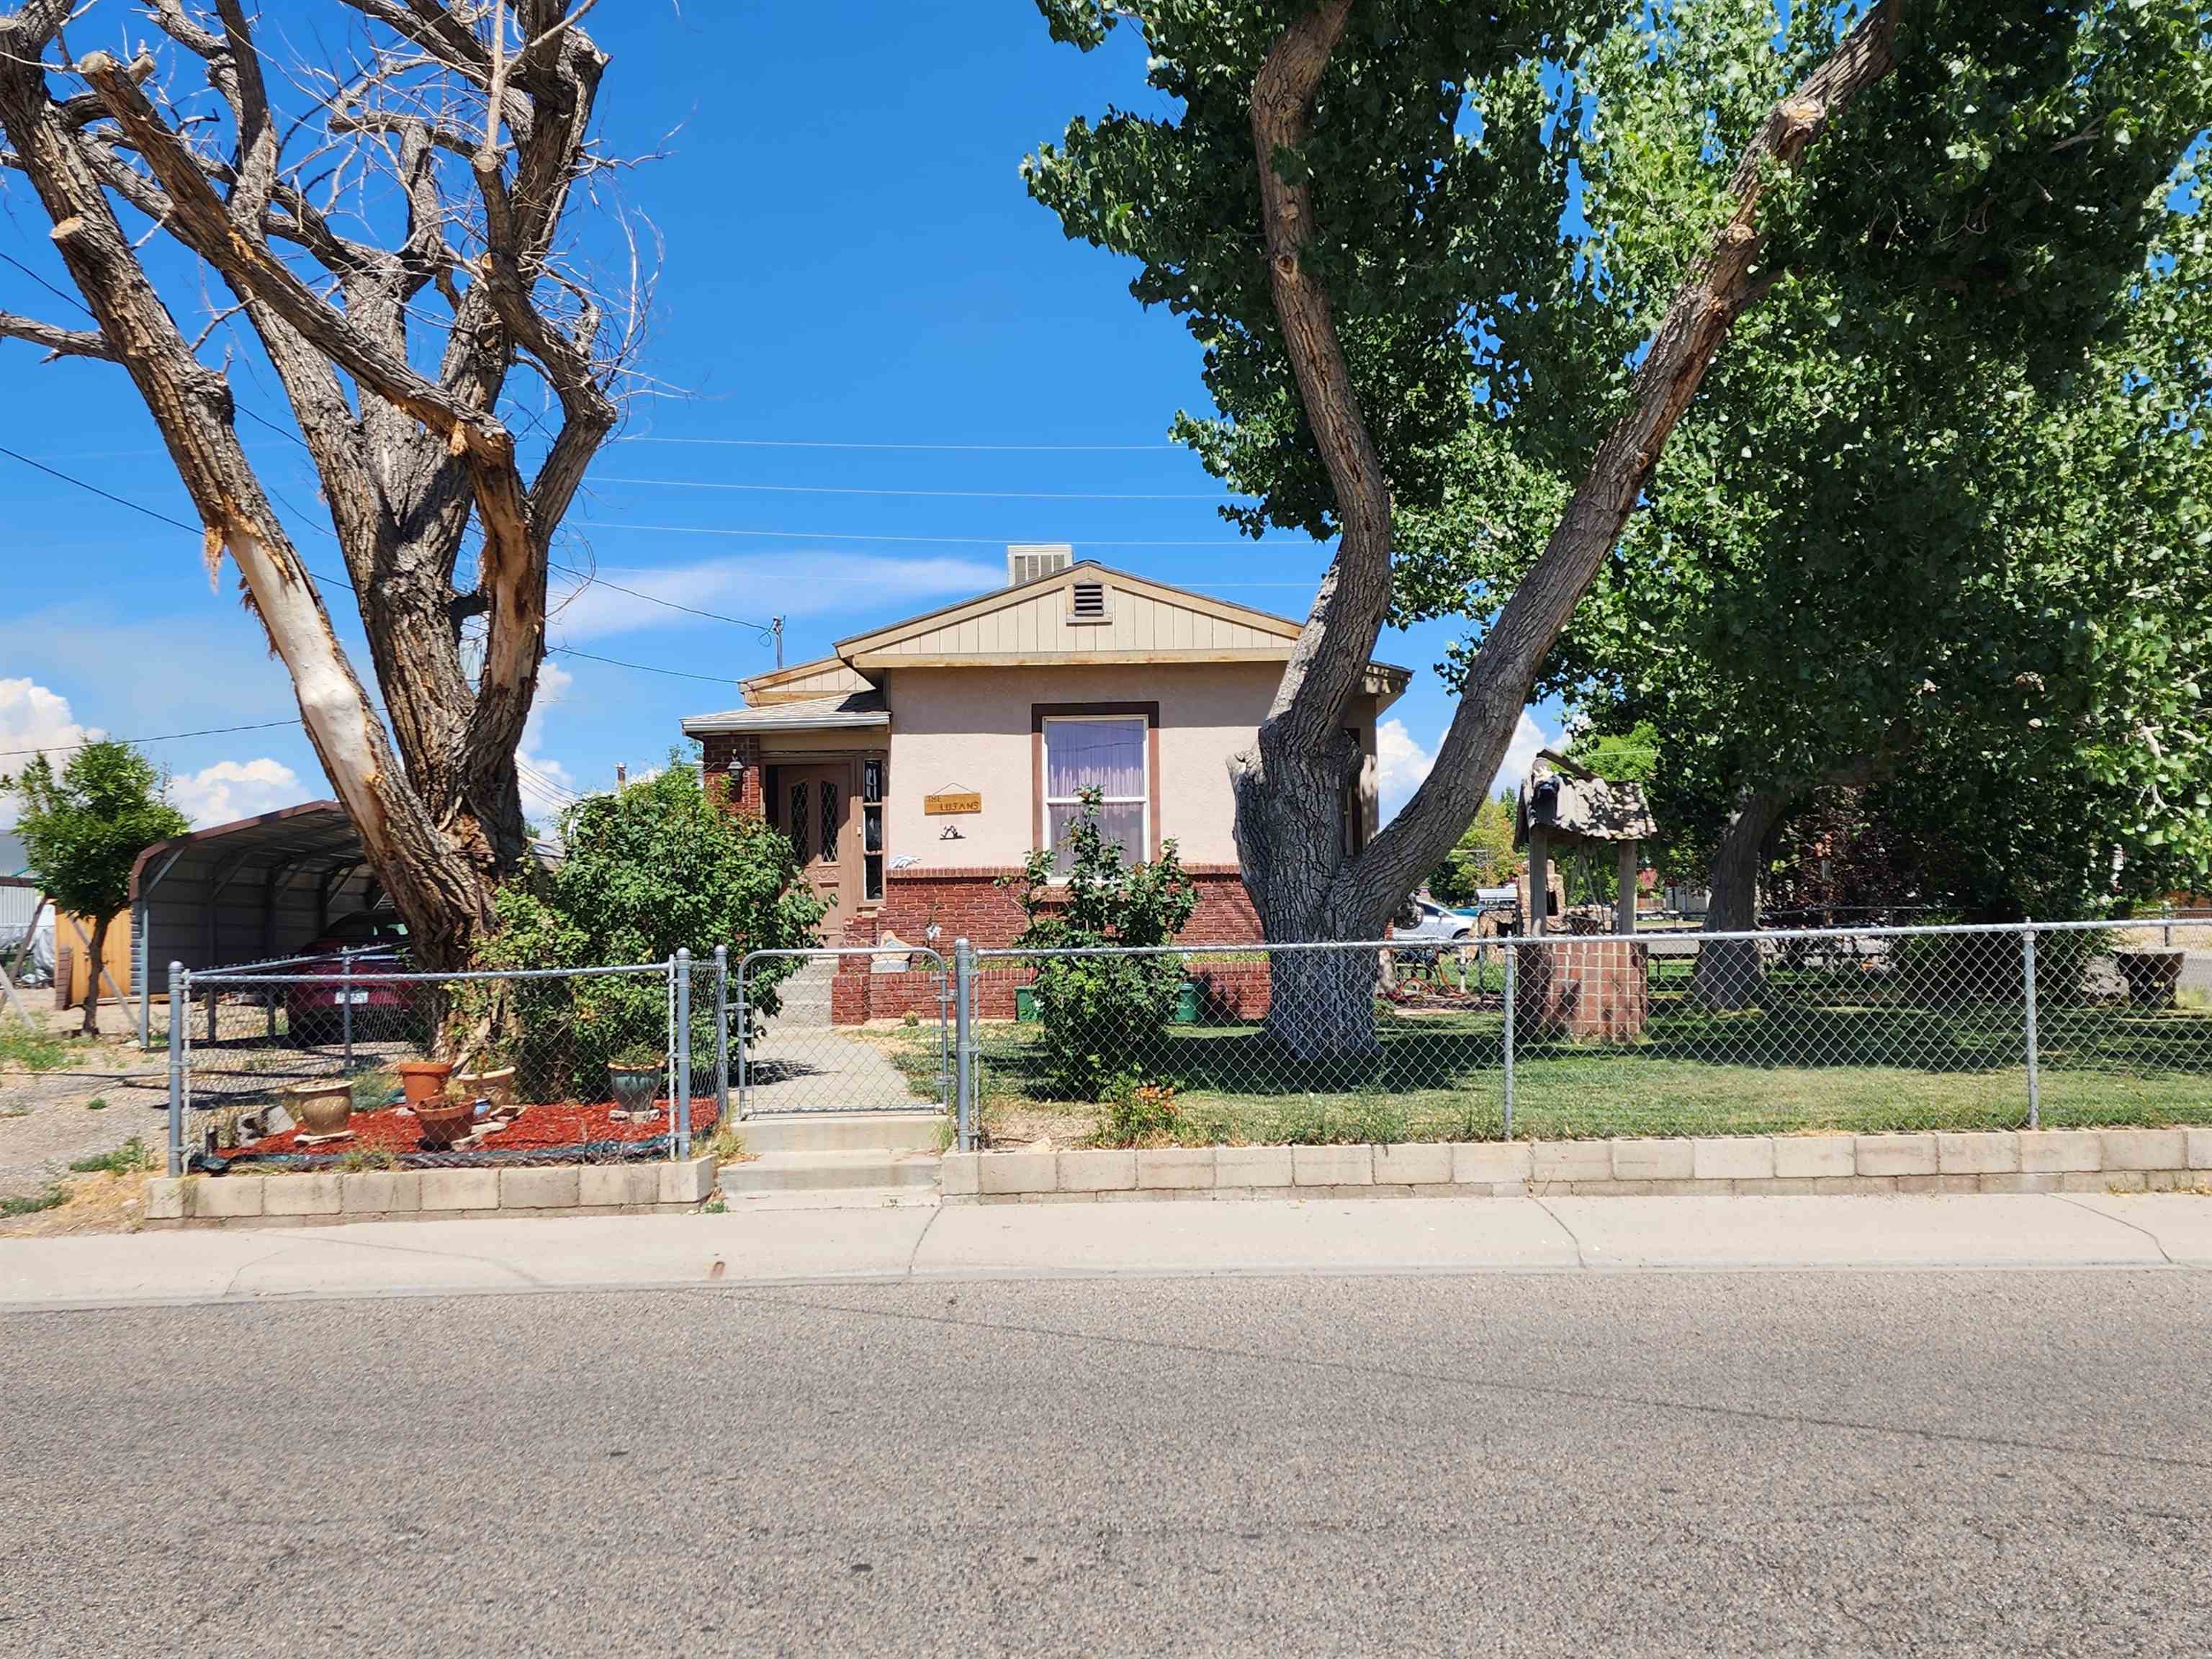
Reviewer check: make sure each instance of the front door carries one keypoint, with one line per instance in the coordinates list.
(816, 800)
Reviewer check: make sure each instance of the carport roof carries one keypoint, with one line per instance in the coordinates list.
(313, 831)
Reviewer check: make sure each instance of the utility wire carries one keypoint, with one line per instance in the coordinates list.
(58, 293)
(824, 443)
(856, 490)
(937, 541)
(167, 737)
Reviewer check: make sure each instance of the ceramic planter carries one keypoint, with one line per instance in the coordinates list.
(320, 1108)
(497, 1087)
(424, 1081)
(635, 1087)
(445, 1122)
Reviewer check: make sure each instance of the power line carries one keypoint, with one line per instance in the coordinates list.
(59, 294)
(856, 490)
(641, 667)
(52, 473)
(591, 578)
(167, 737)
(937, 541)
(825, 443)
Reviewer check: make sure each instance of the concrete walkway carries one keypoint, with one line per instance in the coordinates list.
(1286, 1238)
(804, 1069)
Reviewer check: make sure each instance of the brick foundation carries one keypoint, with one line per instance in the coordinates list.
(970, 904)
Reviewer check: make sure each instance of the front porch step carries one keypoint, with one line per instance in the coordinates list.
(887, 1132)
(816, 1171)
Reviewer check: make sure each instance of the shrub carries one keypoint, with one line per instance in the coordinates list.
(1099, 1013)
(653, 868)
(130, 1158)
(1976, 967)
(1138, 1114)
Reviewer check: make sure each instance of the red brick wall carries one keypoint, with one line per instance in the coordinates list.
(970, 904)
(734, 760)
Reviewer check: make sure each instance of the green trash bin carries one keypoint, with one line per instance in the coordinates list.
(1025, 1003)
(1186, 1008)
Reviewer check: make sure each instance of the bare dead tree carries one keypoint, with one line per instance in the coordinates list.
(402, 207)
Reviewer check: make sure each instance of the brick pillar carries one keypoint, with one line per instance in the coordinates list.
(735, 759)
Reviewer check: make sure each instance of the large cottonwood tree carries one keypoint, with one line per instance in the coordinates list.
(389, 223)
(1355, 205)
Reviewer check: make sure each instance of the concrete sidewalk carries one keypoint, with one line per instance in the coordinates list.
(1325, 1237)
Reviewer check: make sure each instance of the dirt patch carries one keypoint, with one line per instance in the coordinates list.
(94, 1204)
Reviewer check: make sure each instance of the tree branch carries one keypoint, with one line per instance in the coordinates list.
(1724, 283)
(59, 341)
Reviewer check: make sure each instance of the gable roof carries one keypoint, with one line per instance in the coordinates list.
(1037, 622)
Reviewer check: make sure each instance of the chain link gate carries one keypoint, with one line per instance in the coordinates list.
(789, 1052)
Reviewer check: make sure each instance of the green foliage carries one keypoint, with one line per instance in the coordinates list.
(372, 1089)
(1483, 858)
(653, 867)
(1138, 1114)
(83, 828)
(1876, 521)
(1097, 1012)
(1941, 969)
(131, 1157)
(25, 1049)
(17, 1204)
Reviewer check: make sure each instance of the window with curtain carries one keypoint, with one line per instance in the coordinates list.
(1105, 753)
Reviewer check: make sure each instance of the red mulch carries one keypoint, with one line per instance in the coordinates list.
(563, 1123)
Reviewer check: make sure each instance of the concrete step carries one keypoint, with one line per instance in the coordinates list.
(843, 1131)
(788, 1172)
(835, 1198)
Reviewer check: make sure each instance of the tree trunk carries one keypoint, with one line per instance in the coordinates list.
(1290, 787)
(1729, 972)
(98, 951)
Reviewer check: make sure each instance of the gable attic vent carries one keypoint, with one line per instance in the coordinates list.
(1087, 601)
(1027, 561)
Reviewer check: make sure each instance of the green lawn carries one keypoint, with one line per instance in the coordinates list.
(1809, 1061)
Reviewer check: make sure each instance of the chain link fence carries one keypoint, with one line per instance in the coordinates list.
(1577, 1035)
(376, 1066)
(796, 1049)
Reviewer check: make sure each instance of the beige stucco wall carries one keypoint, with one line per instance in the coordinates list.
(969, 729)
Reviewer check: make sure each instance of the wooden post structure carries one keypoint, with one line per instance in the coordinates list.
(1540, 880)
(1623, 903)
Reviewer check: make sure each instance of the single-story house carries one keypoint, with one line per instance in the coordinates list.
(926, 759)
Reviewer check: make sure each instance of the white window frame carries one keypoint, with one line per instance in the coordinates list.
(1142, 800)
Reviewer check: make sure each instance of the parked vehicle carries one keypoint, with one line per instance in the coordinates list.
(369, 940)
(1425, 922)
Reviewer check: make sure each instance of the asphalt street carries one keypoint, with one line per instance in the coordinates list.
(1835, 1462)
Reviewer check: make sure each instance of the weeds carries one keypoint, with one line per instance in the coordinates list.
(97, 1103)
(360, 1160)
(373, 1090)
(31, 1203)
(22, 1049)
(725, 1146)
(131, 1157)
(1138, 1114)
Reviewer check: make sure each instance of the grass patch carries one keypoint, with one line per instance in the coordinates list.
(31, 1203)
(130, 1158)
(22, 1049)
(1828, 1052)
(97, 1103)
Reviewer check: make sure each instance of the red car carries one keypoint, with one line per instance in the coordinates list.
(372, 939)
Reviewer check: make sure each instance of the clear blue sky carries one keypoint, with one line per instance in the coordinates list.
(849, 258)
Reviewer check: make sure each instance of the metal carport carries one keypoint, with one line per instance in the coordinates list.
(248, 891)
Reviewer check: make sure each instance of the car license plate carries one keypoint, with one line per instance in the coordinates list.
(339, 998)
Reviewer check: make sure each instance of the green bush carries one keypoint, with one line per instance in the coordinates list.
(1138, 1114)
(1101, 1015)
(656, 867)
(1940, 969)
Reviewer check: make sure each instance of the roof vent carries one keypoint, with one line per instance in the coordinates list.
(1026, 561)
(1087, 601)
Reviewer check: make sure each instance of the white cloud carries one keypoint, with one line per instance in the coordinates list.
(1401, 761)
(1401, 764)
(547, 785)
(810, 584)
(34, 720)
(230, 790)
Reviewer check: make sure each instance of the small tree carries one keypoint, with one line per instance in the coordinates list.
(84, 829)
(1095, 1009)
(658, 866)
(1483, 858)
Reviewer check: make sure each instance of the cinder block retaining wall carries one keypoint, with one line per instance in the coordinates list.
(2047, 1161)
(278, 1200)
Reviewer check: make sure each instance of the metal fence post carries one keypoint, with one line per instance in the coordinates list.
(2027, 975)
(722, 1034)
(176, 1068)
(682, 1102)
(745, 1033)
(345, 1013)
(964, 1069)
(1512, 979)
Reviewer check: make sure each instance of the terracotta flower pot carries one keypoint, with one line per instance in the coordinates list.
(497, 1087)
(322, 1107)
(635, 1087)
(445, 1122)
(424, 1081)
